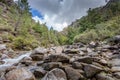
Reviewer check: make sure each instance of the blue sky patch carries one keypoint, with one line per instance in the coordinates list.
(35, 12)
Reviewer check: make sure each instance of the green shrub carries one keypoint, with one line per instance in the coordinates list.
(25, 42)
(7, 36)
(86, 37)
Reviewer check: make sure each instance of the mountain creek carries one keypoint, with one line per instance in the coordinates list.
(94, 61)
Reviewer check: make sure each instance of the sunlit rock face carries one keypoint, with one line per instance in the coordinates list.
(19, 74)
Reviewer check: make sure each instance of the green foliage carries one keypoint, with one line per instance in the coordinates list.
(22, 42)
(72, 32)
(86, 37)
(101, 32)
(100, 24)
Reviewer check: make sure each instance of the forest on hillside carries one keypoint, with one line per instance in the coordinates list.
(100, 24)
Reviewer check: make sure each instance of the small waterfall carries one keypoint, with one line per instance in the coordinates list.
(9, 62)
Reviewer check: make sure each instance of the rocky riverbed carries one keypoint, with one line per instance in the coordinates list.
(94, 61)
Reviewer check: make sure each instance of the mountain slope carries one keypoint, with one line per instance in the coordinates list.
(19, 31)
(101, 23)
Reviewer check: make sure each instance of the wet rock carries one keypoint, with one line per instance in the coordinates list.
(27, 61)
(91, 70)
(57, 58)
(104, 76)
(38, 72)
(55, 74)
(73, 74)
(19, 74)
(51, 65)
(4, 56)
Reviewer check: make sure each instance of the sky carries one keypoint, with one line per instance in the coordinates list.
(61, 13)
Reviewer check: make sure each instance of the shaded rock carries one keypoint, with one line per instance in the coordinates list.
(87, 59)
(38, 72)
(39, 63)
(36, 57)
(116, 39)
(117, 75)
(103, 62)
(19, 74)
(55, 74)
(73, 74)
(51, 65)
(91, 70)
(26, 61)
(78, 45)
(71, 51)
(57, 58)
(104, 76)
(77, 65)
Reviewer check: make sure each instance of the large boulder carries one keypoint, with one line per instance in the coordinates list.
(55, 74)
(19, 74)
(91, 70)
(57, 58)
(38, 54)
(73, 74)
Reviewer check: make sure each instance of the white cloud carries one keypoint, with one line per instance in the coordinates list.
(50, 22)
(60, 14)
